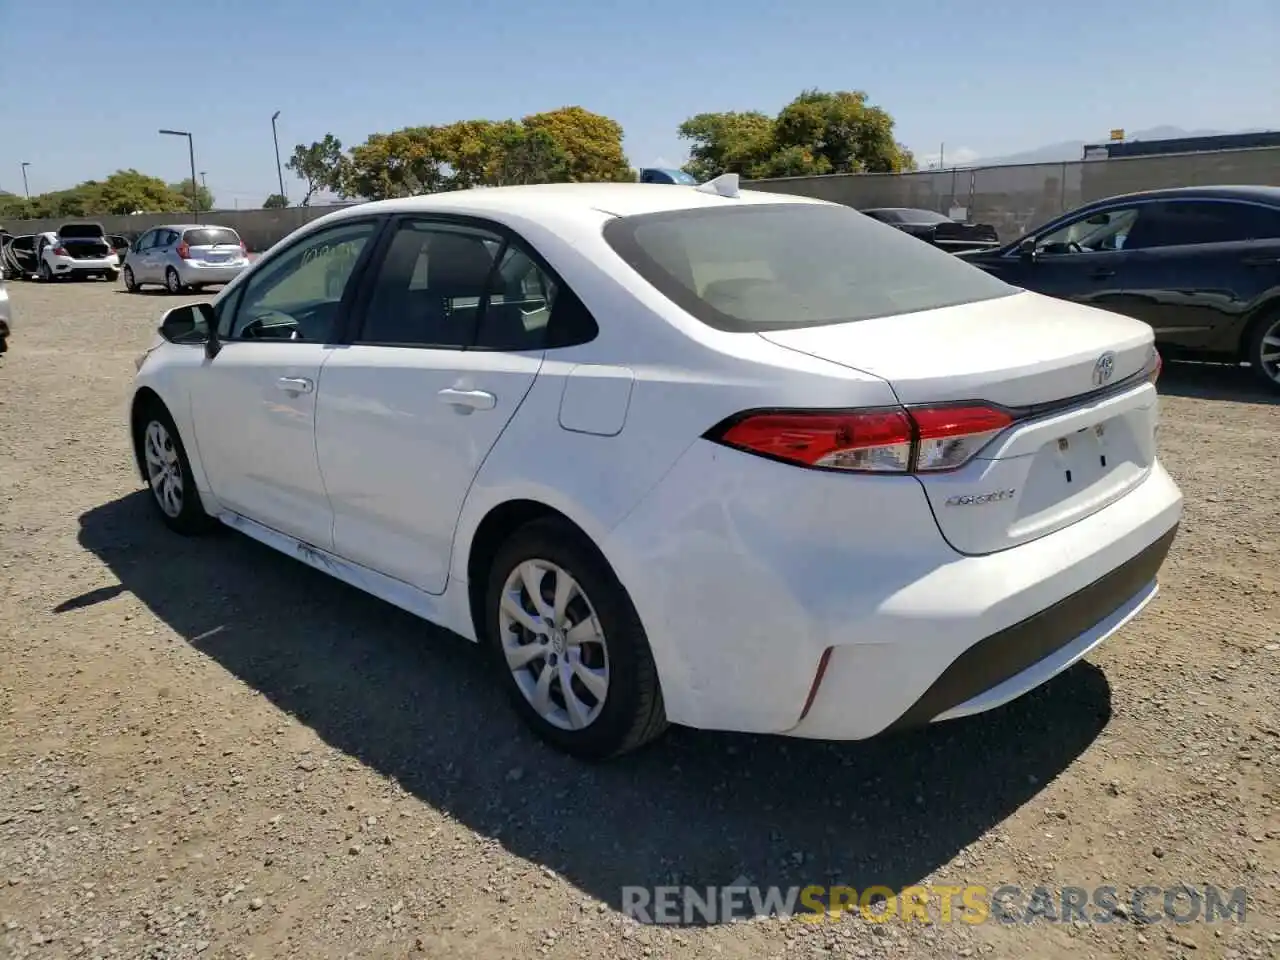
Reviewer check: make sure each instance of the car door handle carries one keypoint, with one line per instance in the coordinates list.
(295, 384)
(468, 399)
(1101, 274)
(1261, 261)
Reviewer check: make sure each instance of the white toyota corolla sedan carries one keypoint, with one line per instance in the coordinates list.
(734, 460)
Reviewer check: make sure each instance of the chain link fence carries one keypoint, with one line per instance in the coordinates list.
(1014, 199)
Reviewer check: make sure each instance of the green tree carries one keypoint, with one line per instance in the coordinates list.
(275, 202)
(816, 133)
(591, 143)
(126, 191)
(399, 164)
(528, 156)
(203, 196)
(727, 143)
(321, 166)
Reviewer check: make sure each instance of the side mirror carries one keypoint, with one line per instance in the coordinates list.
(1027, 249)
(193, 324)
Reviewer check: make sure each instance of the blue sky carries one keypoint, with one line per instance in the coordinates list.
(87, 85)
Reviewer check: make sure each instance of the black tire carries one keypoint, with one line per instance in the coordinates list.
(172, 282)
(4, 344)
(111, 276)
(46, 275)
(632, 713)
(130, 284)
(191, 519)
(1266, 328)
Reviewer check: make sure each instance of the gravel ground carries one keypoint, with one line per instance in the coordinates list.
(208, 749)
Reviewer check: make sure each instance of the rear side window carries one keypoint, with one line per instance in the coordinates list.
(208, 236)
(782, 265)
(1185, 222)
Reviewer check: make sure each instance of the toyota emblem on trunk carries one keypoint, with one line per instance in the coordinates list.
(1104, 368)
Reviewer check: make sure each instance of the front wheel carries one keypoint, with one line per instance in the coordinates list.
(173, 486)
(1264, 351)
(172, 282)
(130, 283)
(569, 645)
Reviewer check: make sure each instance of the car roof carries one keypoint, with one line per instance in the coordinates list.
(191, 226)
(568, 199)
(1265, 194)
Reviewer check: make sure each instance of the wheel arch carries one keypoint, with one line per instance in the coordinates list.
(493, 530)
(144, 399)
(1268, 309)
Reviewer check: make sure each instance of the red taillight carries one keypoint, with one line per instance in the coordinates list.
(184, 251)
(244, 251)
(60, 252)
(883, 440)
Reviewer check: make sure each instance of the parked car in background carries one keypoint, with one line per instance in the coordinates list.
(737, 460)
(119, 245)
(77, 251)
(6, 317)
(185, 257)
(667, 175)
(1201, 265)
(18, 256)
(939, 230)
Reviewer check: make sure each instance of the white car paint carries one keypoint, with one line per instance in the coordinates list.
(67, 266)
(749, 575)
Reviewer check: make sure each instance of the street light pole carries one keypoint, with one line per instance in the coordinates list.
(191, 152)
(275, 138)
(25, 188)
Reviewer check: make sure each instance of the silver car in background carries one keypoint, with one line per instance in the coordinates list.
(183, 257)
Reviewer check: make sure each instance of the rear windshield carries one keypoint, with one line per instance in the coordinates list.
(783, 265)
(922, 216)
(80, 231)
(208, 236)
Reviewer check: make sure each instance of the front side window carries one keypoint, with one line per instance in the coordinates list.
(1103, 232)
(772, 266)
(296, 295)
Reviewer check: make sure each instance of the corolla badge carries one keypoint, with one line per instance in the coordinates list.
(1104, 369)
(978, 499)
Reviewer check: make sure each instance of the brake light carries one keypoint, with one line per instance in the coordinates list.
(244, 251)
(184, 251)
(879, 440)
(60, 252)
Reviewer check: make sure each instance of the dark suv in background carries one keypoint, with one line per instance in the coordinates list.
(1201, 265)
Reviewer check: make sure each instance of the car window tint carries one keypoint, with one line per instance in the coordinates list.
(430, 286)
(295, 296)
(1105, 231)
(1257, 223)
(1189, 222)
(208, 236)
(521, 300)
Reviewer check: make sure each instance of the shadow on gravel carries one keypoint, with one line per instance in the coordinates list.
(1215, 381)
(416, 704)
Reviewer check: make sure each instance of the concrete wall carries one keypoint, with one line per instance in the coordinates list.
(258, 228)
(1011, 198)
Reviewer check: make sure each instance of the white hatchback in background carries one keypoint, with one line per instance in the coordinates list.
(184, 257)
(727, 459)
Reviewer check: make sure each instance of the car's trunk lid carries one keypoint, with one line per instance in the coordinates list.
(1071, 376)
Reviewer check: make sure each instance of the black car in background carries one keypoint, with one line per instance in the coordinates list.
(1201, 265)
(932, 227)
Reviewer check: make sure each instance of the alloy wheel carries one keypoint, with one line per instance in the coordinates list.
(172, 282)
(1269, 352)
(554, 645)
(164, 469)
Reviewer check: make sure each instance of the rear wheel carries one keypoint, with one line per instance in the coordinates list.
(1264, 350)
(130, 283)
(169, 476)
(569, 645)
(172, 282)
(111, 276)
(45, 273)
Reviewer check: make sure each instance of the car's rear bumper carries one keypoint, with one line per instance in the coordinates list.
(69, 266)
(750, 575)
(193, 272)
